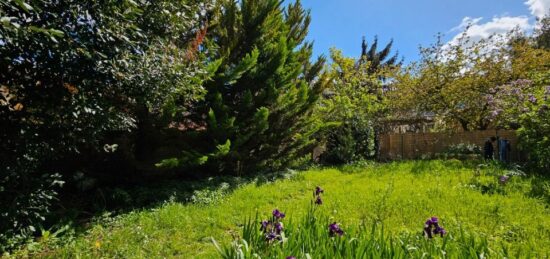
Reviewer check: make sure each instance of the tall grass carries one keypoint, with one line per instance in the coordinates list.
(310, 237)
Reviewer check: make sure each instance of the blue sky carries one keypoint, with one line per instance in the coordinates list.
(342, 23)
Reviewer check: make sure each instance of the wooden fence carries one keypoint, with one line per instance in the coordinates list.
(419, 145)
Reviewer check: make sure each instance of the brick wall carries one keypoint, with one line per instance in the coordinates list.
(417, 145)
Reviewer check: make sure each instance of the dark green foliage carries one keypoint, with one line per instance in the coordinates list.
(378, 59)
(72, 71)
(352, 141)
(540, 188)
(25, 198)
(260, 98)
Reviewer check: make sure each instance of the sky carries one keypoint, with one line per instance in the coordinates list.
(411, 23)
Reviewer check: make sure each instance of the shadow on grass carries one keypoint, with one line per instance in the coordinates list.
(79, 209)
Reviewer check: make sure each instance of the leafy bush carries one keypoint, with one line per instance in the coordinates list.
(73, 71)
(534, 134)
(540, 189)
(25, 203)
(349, 142)
(354, 104)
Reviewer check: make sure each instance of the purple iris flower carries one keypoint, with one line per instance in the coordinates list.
(318, 200)
(334, 229)
(428, 228)
(440, 231)
(277, 214)
(270, 236)
(290, 257)
(278, 227)
(432, 227)
(318, 190)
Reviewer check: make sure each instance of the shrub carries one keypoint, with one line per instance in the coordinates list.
(540, 189)
(70, 73)
(26, 201)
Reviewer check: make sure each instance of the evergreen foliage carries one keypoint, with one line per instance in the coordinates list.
(378, 59)
(260, 99)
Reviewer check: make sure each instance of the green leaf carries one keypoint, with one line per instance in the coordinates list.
(26, 7)
(56, 33)
(245, 65)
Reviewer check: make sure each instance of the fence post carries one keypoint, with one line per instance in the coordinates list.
(402, 147)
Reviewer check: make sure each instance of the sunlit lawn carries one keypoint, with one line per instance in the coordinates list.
(400, 196)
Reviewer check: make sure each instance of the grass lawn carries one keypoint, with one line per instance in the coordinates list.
(399, 196)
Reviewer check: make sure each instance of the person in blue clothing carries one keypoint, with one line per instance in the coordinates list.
(503, 149)
(488, 148)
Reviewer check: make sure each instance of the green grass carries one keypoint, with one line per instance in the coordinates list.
(398, 196)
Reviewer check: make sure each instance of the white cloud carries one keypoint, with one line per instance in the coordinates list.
(465, 22)
(498, 26)
(539, 8)
(475, 29)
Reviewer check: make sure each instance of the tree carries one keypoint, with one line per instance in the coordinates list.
(354, 106)
(72, 71)
(257, 110)
(378, 59)
(524, 104)
(452, 80)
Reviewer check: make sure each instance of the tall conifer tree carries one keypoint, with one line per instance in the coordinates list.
(257, 111)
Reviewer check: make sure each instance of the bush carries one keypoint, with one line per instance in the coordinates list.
(26, 198)
(71, 72)
(350, 142)
(534, 134)
(540, 189)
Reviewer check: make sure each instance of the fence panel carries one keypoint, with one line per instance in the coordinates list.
(418, 145)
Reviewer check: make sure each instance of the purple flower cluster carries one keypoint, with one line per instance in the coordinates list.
(431, 227)
(273, 228)
(334, 229)
(277, 214)
(507, 97)
(532, 99)
(317, 195)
